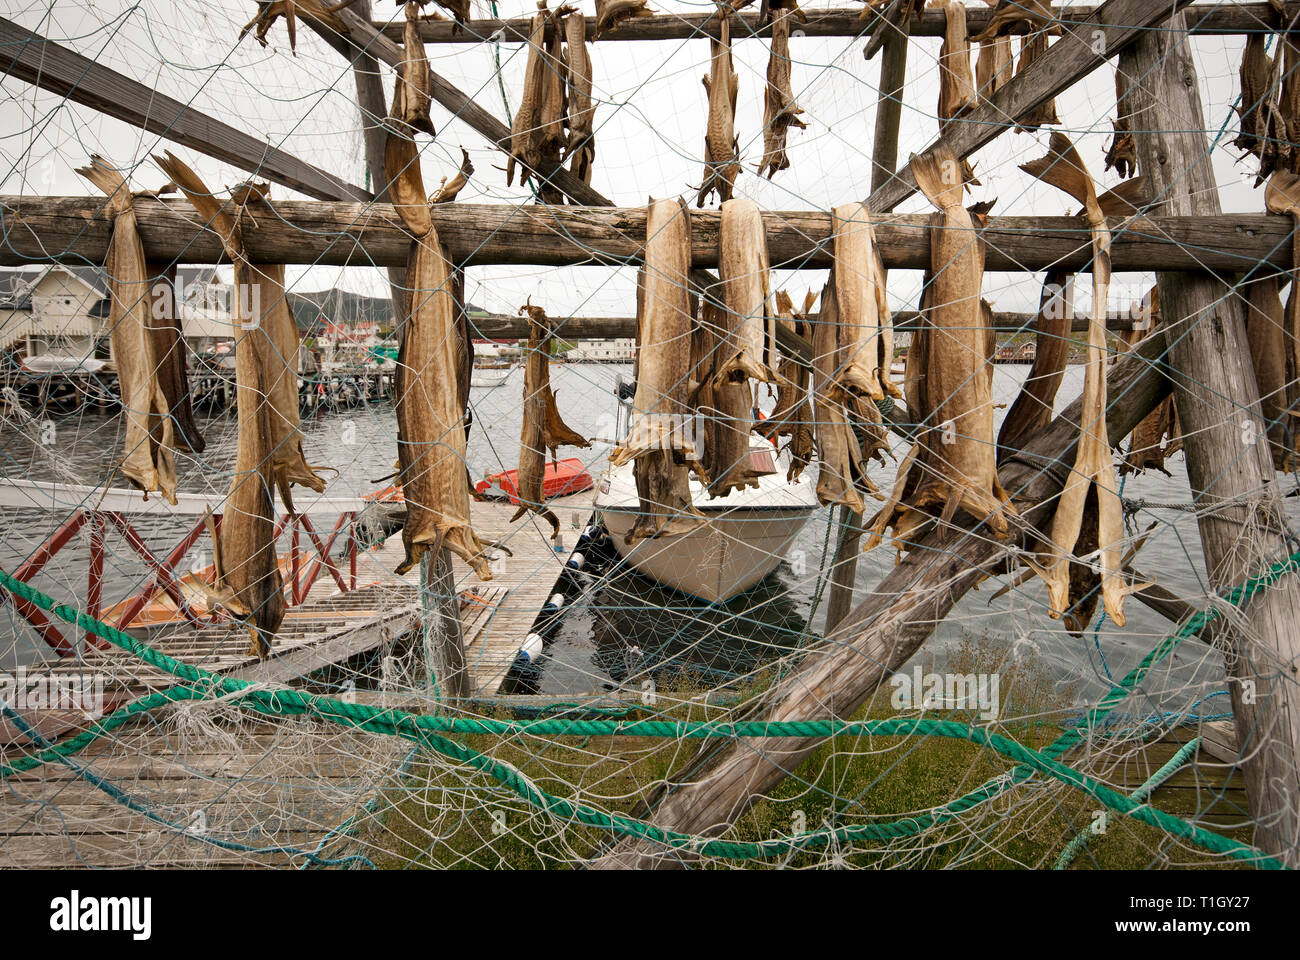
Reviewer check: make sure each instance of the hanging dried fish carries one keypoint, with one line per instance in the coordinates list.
(268, 13)
(554, 104)
(721, 149)
(1257, 108)
(580, 148)
(1267, 332)
(659, 438)
(248, 574)
(726, 407)
(430, 417)
(866, 332)
(780, 112)
(793, 414)
(1122, 153)
(148, 461)
(411, 94)
(954, 465)
(611, 13)
(1282, 196)
(526, 130)
(448, 190)
(543, 429)
(1031, 48)
(841, 467)
(1011, 16)
(1094, 472)
(1032, 409)
(1148, 448)
(459, 10)
(957, 92)
(169, 353)
(994, 67)
(750, 342)
(890, 16)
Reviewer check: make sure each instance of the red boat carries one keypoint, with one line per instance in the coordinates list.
(559, 480)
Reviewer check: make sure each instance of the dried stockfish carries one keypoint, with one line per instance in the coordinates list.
(1148, 448)
(580, 147)
(865, 329)
(148, 461)
(554, 104)
(726, 407)
(750, 341)
(1032, 409)
(1282, 195)
(543, 429)
(890, 16)
(1258, 110)
(1267, 332)
(994, 67)
(430, 417)
(411, 95)
(1016, 16)
(949, 393)
(526, 130)
(721, 150)
(1093, 475)
(1031, 48)
(792, 416)
(659, 438)
(957, 92)
(448, 190)
(841, 467)
(611, 13)
(248, 574)
(169, 354)
(268, 13)
(1122, 152)
(780, 112)
(459, 10)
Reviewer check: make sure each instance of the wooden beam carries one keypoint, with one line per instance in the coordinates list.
(1241, 522)
(71, 230)
(1223, 18)
(55, 68)
(1068, 60)
(886, 629)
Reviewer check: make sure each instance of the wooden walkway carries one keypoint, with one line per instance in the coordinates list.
(199, 784)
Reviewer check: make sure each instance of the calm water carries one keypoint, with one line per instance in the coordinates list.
(628, 622)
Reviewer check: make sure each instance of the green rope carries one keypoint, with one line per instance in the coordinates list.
(427, 729)
(1141, 793)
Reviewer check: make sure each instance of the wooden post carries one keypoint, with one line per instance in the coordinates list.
(444, 648)
(889, 112)
(1228, 462)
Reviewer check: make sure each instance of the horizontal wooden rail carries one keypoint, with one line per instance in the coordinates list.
(70, 230)
(1225, 18)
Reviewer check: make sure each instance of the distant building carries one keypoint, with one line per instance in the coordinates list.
(621, 350)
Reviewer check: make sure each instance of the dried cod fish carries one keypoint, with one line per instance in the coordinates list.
(611, 13)
(543, 429)
(580, 148)
(721, 150)
(554, 104)
(1122, 152)
(1093, 475)
(726, 407)
(1148, 448)
(792, 416)
(955, 464)
(268, 13)
(1032, 409)
(1282, 196)
(866, 332)
(1266, 330)
(957, 92)
(526, 130)
(169, 353)
(411, 97)
(430, 417)
(780, 112)
(148, 462)
(1031, 48)
(249, 574)
(659, 438)
(994, 67)
(750, 342)
(1016, 15)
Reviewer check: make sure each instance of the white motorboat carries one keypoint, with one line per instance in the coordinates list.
(490, 376)
(747, 533)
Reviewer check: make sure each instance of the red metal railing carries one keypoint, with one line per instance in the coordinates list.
(305, 568)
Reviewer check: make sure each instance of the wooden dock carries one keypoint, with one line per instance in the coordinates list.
(201, 784)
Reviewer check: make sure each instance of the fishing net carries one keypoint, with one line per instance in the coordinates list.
(609, 719)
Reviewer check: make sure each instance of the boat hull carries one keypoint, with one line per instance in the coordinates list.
(732, 552)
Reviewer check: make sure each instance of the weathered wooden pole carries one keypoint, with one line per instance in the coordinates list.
(1228, 460)
(884, 161)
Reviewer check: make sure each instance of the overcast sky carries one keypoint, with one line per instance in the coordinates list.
(649, 127)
